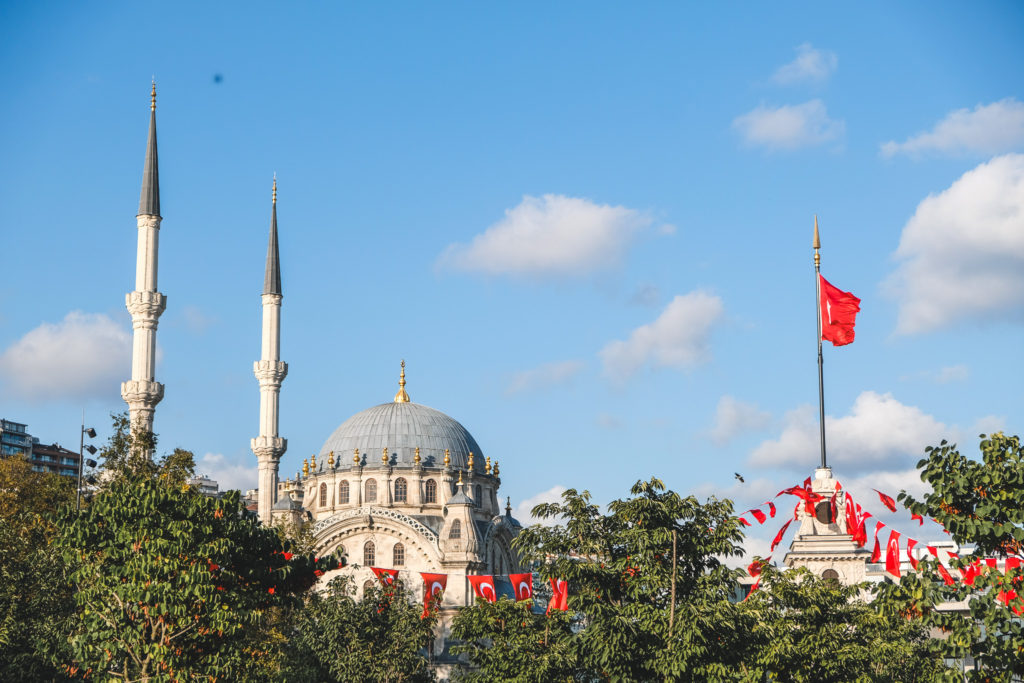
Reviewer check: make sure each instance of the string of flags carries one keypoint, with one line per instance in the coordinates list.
(483, 587)
(856, 525)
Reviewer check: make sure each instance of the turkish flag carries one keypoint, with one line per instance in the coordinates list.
(522, 584)
(887, 501)
(433, 588)
(559, 595)
(778, 536)
(939, 568)
(483, 587)
(851, 516)
(876, 554)
(385, 576)
(838, 313)
(892, 553)
(771, 508)
(758, 515)
(910, 552)
(919, 518)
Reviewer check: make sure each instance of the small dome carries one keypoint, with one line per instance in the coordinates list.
(402, 427)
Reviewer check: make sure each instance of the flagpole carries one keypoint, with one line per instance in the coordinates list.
(817, 317)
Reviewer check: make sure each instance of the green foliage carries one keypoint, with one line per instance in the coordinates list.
(804, 628)
(507, 641)
(982, 504)
(171, 584)
(620, 572)
(128, 453)
(34, 592)
(376, 639)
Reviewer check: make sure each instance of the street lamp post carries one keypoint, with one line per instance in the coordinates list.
(81, 459)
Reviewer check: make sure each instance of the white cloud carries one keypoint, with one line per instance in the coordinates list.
(522, 510)
(962, 252)
(552, 235)
(733, 417)
(545, 376)
(789, 126)
(86, 355)
(810, 64)
(987, 129)
(879, 433)
(229, 474)
(677, 339)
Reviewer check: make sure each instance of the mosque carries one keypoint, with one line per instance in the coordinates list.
(399, 486)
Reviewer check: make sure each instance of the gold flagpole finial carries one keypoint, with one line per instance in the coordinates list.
(273, 191)
(817, 239)
(152, 97)
(401, 396)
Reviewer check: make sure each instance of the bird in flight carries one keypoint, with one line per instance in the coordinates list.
(738, 476)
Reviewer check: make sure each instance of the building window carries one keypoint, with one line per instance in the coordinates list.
(456, 530)
(431, 492)
(343, 493)
(367, 587)
(371, 491)
(369, 554)
(323, 495)
(401, 490)
(830, 575)
(478, 494)
(399, 558)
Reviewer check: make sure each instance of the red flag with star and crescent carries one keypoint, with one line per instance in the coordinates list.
(892, 553)
(483, 587)
(559, 595)
(522, 584)
(838, 313)
(385, 576)
(433, 589)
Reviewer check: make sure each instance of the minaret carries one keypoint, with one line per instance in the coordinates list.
(270, 371)
(145, 304)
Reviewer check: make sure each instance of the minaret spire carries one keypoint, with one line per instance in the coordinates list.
(146, 304)
(270, 370)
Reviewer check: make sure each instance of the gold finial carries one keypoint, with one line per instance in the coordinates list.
(152, 97)
(330, 459)
(487, 466)
(495, 468)
(355, 457)
(273, 192)
(305, 468)
(447, 458)
(817, 244)
(417, 458)
(312, 462)
(384, 455)
(460, 477)
(470, 463)
(508, 506)
(401, 396)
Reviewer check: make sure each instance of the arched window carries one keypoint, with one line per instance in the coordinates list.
(830, 575)
(323, 495)
(367, 587)
(399, 557)
(478, 495)
(431, 492)
(456, 530)
(401, 490)
(343, 493)
(371, 491)
(369, 554)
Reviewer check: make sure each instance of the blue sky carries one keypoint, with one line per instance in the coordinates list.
(585, 226)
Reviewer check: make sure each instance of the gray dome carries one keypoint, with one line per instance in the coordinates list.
(401, 428)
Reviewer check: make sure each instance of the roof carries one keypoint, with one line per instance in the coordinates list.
(402, 428)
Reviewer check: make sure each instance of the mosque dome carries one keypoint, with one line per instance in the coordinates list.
(403, 426)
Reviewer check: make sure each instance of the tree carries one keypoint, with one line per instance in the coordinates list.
(800, 627)
(646, 579)
(981, 504)
(170, 584)
(376, 639)
(129, 452)
(509, 641)
(34, 591)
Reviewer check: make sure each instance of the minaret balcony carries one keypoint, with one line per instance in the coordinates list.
(142, 393)
(270, 372)
(272, 447)
(145, 305)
